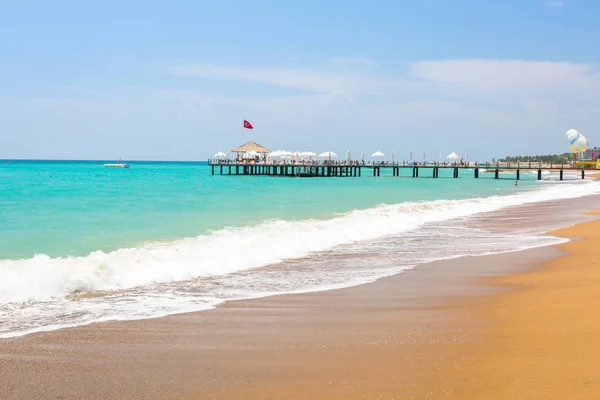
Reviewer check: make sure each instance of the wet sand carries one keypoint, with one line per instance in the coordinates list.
(343, 343)
(442, 330)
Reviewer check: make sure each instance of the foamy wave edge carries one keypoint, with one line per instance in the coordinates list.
(236, 249)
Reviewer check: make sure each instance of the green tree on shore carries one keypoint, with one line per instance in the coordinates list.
(564, 158)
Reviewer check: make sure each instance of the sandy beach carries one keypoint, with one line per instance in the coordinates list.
(542, 337)
(517, 325)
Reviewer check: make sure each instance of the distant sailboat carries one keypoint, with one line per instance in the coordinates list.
(118, 165)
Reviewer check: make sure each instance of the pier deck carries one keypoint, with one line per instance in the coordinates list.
(329, 169)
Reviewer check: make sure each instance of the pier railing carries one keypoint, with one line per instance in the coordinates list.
(401, 164)
(329, 168)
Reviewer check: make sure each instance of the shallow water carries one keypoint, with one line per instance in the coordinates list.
(87, 244)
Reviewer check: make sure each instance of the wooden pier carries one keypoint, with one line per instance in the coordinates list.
(356, 170)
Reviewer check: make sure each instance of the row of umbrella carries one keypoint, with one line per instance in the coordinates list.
(329, 154)
(282, 154)
(451, 156)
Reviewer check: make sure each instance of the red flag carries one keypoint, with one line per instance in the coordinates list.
(248, 125)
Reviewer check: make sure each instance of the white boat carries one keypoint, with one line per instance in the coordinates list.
(118, 165)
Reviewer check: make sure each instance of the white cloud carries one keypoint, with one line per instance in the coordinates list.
(485, 105)
(506, 75)
(310, 80)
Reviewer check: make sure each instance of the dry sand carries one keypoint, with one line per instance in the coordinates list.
(425, 334)
(542, 340)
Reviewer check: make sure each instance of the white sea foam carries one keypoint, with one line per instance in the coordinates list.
(34, 290)
(231, 250)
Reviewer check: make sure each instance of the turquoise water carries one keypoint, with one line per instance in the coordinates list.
(82, 243)
(61, 208)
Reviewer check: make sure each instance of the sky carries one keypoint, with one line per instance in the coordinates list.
(174, 80)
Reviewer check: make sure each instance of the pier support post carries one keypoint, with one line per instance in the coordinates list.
(359, 171)
(539, 174)
(583, 174)
(476, 172)
(374, 171)
(213, 169)
(496, 174)
(561, 174)
(230, 170)
(221, 169)
(237, 169)
(518, 174)
(455, 172)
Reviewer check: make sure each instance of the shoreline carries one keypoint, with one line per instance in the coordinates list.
(285, 346)
(375, 338)
(542, 335)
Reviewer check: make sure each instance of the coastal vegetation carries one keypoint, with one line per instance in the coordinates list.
(550, 159)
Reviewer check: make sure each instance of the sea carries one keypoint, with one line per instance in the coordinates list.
(82, 243)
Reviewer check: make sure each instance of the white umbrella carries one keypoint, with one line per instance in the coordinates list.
(328, 154)
(424, 158)
(452, 156)
(250, 154)
(392, 157)
(308, 154)
(362, 156)
(378, 154)
(441, 155)
(467, 157)
(275, 153)
(410, 155)
(348, 156)
(220, 154)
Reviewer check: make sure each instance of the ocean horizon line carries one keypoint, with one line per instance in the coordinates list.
(98, 160)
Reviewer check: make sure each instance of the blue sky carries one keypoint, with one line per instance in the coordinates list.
(174, 80)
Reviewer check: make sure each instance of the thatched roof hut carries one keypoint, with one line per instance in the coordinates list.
(251, 146)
